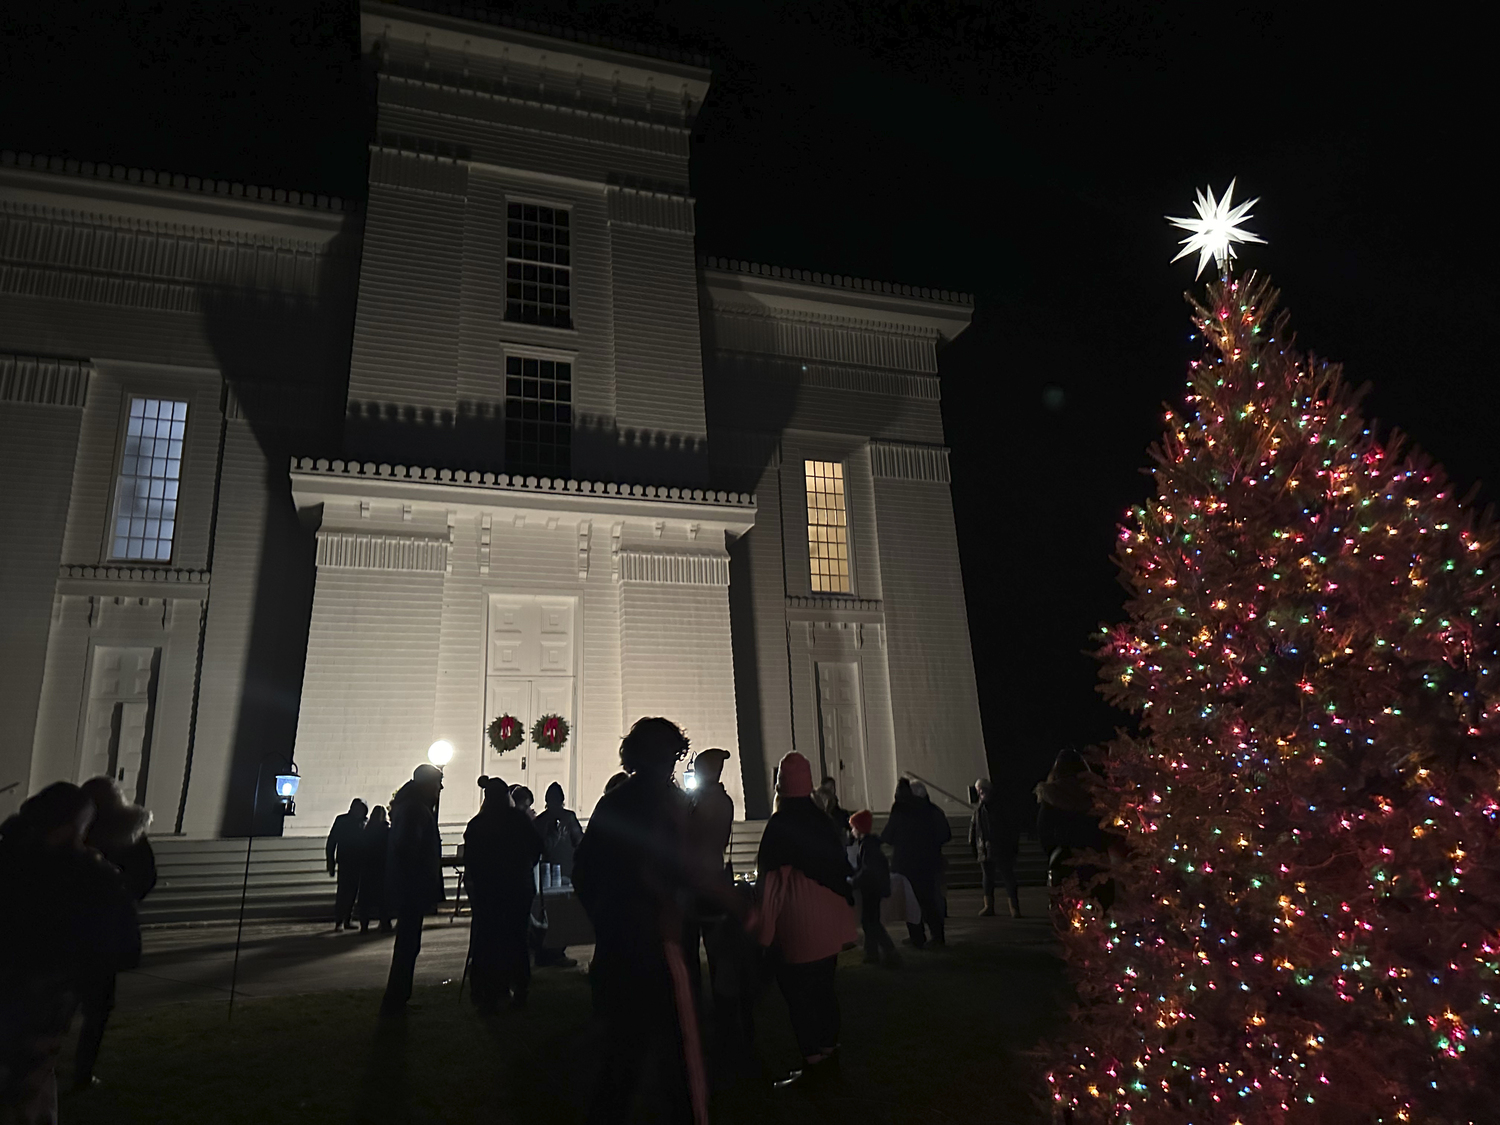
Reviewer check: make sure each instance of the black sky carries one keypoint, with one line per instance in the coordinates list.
(1021, 151)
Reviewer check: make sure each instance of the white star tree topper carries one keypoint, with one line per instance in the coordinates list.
(1216, 229)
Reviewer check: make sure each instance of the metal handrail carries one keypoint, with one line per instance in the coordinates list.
(933, 785)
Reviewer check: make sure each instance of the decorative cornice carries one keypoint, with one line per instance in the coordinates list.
(899, 461)
(653, 210)
(835, 602)
(675, 568)
(658, 133)
(135, 574)
(834, 376)
(503, 483)
(822, 336)
(44, 382)
(553, 31)
(349, 550)
(174, 181)
(394, 164)
(137, 262)
(839, 281)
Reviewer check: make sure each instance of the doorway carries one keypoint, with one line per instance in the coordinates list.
(530, 674)
(841, 728)
(117, 725)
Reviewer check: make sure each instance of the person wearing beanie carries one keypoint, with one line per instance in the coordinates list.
(872, 879)
(804, 914)
(414, 877)
(561, 834)
(500, 852)
(995, 838)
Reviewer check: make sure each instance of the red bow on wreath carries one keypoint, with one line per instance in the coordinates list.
(549, 729)
(507, 727)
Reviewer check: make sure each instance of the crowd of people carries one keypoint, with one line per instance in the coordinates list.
(651, 871)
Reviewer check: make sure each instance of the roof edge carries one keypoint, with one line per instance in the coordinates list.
(476, 14)
(840, 281)
(176, 181)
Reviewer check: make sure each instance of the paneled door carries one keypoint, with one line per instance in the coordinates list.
(530, 675)
(117, 725)
(841, 726)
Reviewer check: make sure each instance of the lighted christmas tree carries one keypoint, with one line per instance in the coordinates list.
(1305, 926)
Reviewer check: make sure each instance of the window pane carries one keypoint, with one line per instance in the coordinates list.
(146, 488)
(538, 429)
(827, 537)
(535, 252)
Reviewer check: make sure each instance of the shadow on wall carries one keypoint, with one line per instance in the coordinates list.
(285, 360)
(473, 438)
(748, 407)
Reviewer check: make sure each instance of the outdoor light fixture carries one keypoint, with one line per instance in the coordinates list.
(286, 797)
(440, 753)
(690, 775)
(286, 791)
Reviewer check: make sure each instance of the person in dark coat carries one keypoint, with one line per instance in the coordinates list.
(344, 860)
(995, 838)
(827, 798)
(1067, 822)
(413, 877)
(559, 829)
(630, 876)
(872, 879)
(710, 820)
(69, 921)
(119, 835)
(373, 843)
(501, 848)
(916, 837)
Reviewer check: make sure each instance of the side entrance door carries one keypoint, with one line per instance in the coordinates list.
(842, 731)
(117, 725)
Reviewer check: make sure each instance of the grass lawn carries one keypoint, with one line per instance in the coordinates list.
(942, 1039)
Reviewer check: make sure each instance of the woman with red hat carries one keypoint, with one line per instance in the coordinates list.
(805, 913)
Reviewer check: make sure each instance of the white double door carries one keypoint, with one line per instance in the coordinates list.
(527, 701)
(530, 673)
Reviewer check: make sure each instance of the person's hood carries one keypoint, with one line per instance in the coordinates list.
(118, 826)
(1073, 794)
(555, 796)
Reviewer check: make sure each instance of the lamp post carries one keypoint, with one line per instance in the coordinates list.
(440, 753)
(286, 796)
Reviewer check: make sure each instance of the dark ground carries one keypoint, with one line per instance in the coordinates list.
(945, 1038)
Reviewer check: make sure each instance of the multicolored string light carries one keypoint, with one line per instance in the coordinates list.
(1305, 923)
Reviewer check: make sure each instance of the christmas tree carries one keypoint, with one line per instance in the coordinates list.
(1304, 920)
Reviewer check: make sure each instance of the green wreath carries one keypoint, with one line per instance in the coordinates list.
(506, 733)
(550, 732)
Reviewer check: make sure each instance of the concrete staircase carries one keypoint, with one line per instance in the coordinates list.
(199, 880)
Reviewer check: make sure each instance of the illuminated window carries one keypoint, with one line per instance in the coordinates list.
(538, 416)
(146, 490)
(538, 265)
(827, 528)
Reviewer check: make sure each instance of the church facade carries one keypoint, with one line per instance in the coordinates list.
(290, 480)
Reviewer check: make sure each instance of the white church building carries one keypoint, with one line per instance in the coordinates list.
(289, 479)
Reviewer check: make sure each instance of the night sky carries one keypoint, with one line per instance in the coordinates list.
(1022, 152)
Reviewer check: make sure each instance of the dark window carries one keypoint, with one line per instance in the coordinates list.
(538, 261)
(538, 416)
